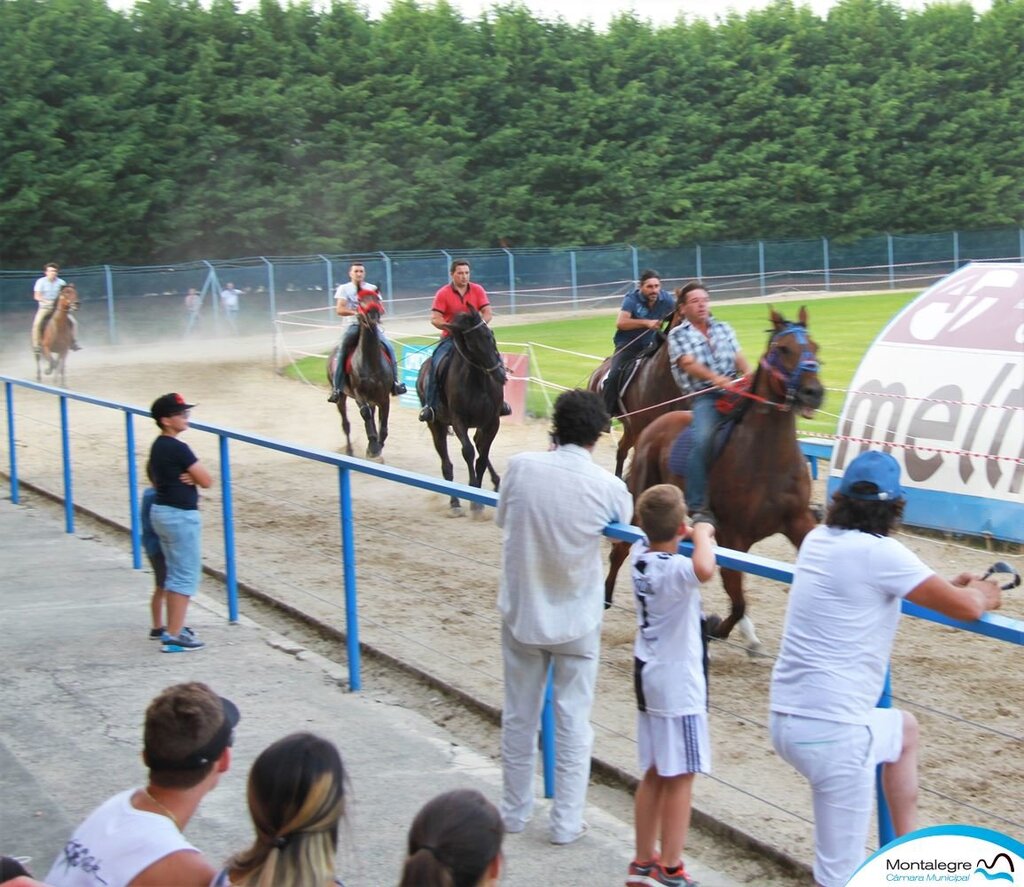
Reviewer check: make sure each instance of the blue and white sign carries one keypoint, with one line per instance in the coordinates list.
(942, 390)
(410, 362)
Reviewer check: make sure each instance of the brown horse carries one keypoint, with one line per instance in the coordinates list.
(759, 483)
(369, 380)
(472, 391)
(57, 336)
(651, 392)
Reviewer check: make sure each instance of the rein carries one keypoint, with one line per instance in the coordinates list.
(455, 342)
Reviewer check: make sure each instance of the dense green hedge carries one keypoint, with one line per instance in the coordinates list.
(178, 131)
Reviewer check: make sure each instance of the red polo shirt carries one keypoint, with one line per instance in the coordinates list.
(448, 301)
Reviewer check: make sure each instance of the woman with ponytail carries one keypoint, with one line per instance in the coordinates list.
(455, 841)
(296, 799)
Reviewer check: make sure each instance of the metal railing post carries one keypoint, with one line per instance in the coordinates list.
(273, 295)
(228, 519)
(760, 264)
(389, 297)
(12, 453)
(511, 281)
(213, 280)
(700, 262)
(65, 447)
(111, 321)
(547, 734)
(956, 250)
(892, 255)
(133, 484)
(636, 263)
(572, 278)
(824, 254)
(886, 832)
(329, 278)
(348, 555)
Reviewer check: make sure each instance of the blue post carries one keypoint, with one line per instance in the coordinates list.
(388, 283)
(700, 263)
(886, 832)
(572, 277)
(273, 296)
(133, 484)
(348, 556)
(12, 454)
(956, 250)
(447, 262)
(892, 257)
(111, 322)
(228, 517)
(760, 264)
(828, 273)
(636, 262)
(211, 279)
(329, 278)
(511, 281)
(547, 734)
(65, 444)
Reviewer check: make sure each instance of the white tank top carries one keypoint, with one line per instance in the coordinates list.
(114, 845)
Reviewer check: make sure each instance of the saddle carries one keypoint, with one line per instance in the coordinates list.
(631, 368)
(679, 455)
(348, 354)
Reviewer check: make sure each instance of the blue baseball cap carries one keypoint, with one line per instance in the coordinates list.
(872, 476)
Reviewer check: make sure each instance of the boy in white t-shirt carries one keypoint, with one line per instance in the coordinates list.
(671, 688)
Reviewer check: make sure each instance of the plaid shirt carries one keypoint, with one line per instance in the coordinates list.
(717, 351)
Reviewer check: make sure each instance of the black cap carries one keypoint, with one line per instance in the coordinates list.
(168, 405)
(210, 751)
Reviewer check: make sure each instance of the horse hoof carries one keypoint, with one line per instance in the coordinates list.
(755, 649)
(456, 511)
(713, 624)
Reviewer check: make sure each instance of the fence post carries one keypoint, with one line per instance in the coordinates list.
(447, 262)
(389, 297)
(330, 279)
(214, 297)
(111, 321)
(892, 255)
(572, 278)
(700, 263)
(273, 296)
(636, 262)
(12, 455)
(1020, 244)
(886, 832)
(228, 520)
(956, 250)
(760, 264)
(511, 281)
(547, 733)
(828, 273)
(65, 447)
(133, 484)
(348, 557)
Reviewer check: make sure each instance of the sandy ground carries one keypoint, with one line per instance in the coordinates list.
(427, 581)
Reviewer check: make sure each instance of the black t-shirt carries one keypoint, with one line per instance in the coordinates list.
(168, 459)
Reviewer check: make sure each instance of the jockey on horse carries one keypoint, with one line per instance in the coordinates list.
(640, 316)
(45, 292)
(456, 297)
(347, 296)
(705, 357)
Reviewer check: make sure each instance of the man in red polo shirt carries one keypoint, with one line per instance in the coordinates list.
(453, 298)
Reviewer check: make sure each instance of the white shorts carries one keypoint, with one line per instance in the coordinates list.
(839, 762)
(673, 746)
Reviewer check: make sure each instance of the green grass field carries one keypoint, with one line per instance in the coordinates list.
(843, 327)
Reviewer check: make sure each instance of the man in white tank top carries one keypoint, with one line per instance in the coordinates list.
(135, 838)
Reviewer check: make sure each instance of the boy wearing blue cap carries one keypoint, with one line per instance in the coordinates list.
(844, 607)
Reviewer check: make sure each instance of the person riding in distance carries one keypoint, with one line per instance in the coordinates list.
(643, 308)
(705, 357)
(455, 297)
(346, 298)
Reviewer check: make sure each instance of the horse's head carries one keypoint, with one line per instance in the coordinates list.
(475, 340)
(791, 364)
(67, 298)
(370, 307)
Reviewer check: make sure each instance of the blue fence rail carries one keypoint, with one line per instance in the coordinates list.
(990, 625)
(147, 302)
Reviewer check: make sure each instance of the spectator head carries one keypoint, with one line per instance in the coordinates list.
(660, 512)
(579, 418)
(296, 795)
(870, 498)
(454, 841)
(167, 405)
(188, 734)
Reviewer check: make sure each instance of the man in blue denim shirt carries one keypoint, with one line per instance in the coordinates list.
(705, 357)
(640, 315)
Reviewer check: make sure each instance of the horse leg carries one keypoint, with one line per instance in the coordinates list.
(345, 427)
(439, 432)
(383, 411)
(737, 618)
(483, 439)
(620, 551)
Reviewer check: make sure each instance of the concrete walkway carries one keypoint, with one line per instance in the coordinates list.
(78, 671)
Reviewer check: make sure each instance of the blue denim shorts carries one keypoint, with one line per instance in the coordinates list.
(180, 532)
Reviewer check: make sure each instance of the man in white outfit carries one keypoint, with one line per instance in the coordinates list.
(849, 582)
(553, 509)
(134, 839)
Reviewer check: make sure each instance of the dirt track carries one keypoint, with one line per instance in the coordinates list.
(427, 583)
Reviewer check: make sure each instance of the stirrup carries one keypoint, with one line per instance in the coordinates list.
(75, 346)
(427, 414)
(398, 388)
(506, 409)
(334, 396)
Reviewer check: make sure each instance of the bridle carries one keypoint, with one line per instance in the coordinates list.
(786, 381)
(498, 366)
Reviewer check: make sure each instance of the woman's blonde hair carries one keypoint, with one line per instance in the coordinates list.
(296, 800)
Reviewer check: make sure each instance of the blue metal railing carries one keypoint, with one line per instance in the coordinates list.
(990, 625)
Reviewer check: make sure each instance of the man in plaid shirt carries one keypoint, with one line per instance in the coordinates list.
(705, 357)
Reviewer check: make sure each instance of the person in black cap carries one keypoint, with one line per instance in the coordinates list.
(135, 838)
(849, 582)
(176, 473)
